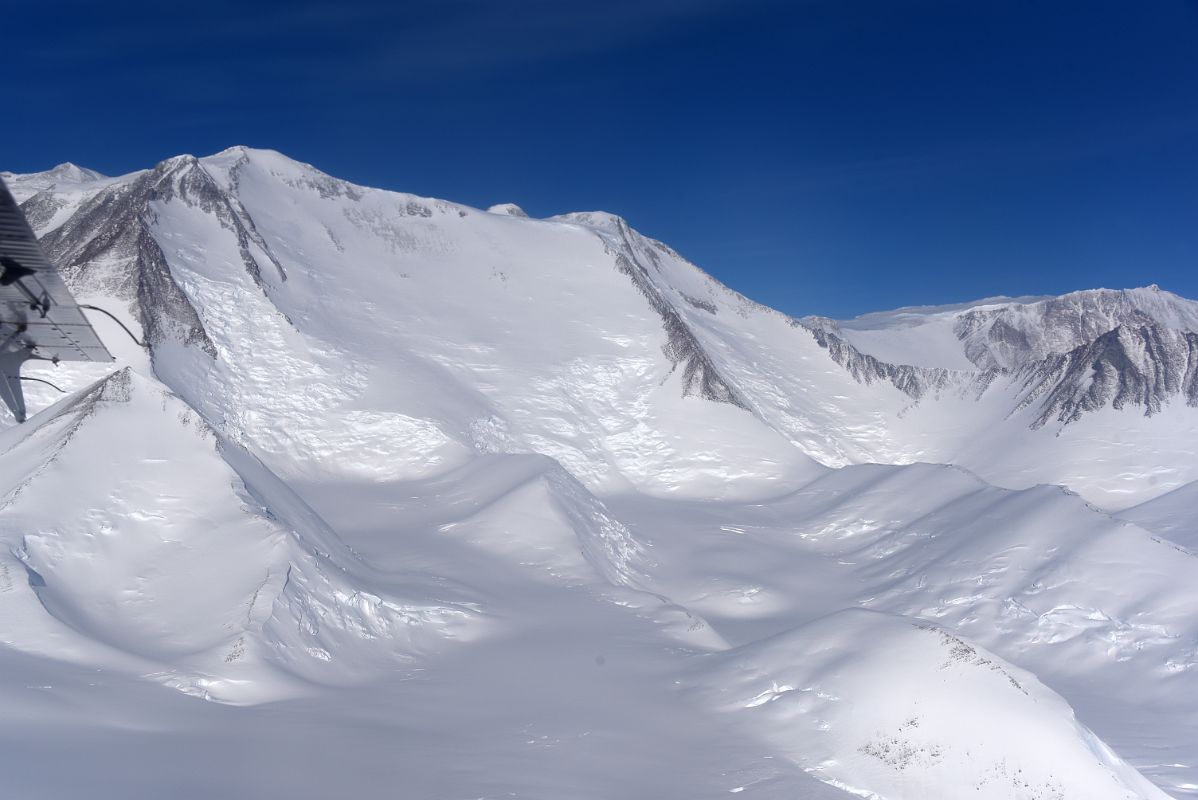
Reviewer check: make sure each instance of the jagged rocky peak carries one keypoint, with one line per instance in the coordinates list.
(1132, 365)
(271, 161)
(272, 171)
(1007, 334)
(1067, 355)
(109, 226)
(182, 177)
(260, 156)
(1011, 336)
(108, 247)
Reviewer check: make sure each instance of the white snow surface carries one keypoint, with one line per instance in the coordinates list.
(948, 718)
(453, 513)
(1173, 515)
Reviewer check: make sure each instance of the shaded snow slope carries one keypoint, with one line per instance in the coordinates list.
(169, 560)
(1098, 609)
(1173, 516)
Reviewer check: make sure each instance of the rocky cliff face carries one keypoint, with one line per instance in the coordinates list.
(915, 382)
(1144, 366)
(1065, 356)
(107, 244)
(1012, 336)
(637, 257)
(107, 247)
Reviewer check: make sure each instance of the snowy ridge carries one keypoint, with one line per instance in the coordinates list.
(1170, 515)
(170, 559)
(700, 378)
(1144, 366)
(949, 714)
(1035, 576)
(913, 381)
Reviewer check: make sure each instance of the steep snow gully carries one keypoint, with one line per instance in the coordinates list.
(405, 497)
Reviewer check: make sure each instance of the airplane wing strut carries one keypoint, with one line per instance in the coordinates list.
(39, 319)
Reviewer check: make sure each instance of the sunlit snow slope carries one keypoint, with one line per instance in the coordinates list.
(441, 502)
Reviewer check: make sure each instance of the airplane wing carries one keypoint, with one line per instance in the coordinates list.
(39, 319)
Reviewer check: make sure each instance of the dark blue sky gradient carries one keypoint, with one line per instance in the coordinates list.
(822, 157)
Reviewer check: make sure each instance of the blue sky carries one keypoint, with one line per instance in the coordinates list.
(822, 157)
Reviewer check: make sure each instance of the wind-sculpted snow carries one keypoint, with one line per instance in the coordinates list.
(945, 720)
(169, 562)
(579, 541)
(1096, 608)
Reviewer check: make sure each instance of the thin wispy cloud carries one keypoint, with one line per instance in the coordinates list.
(807, 127)
(377, 41)
(979, 158)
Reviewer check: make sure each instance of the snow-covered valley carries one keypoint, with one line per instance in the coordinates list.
(411, 498)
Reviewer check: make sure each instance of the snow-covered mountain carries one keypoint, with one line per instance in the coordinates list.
(1022, 392)
(452, 481)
